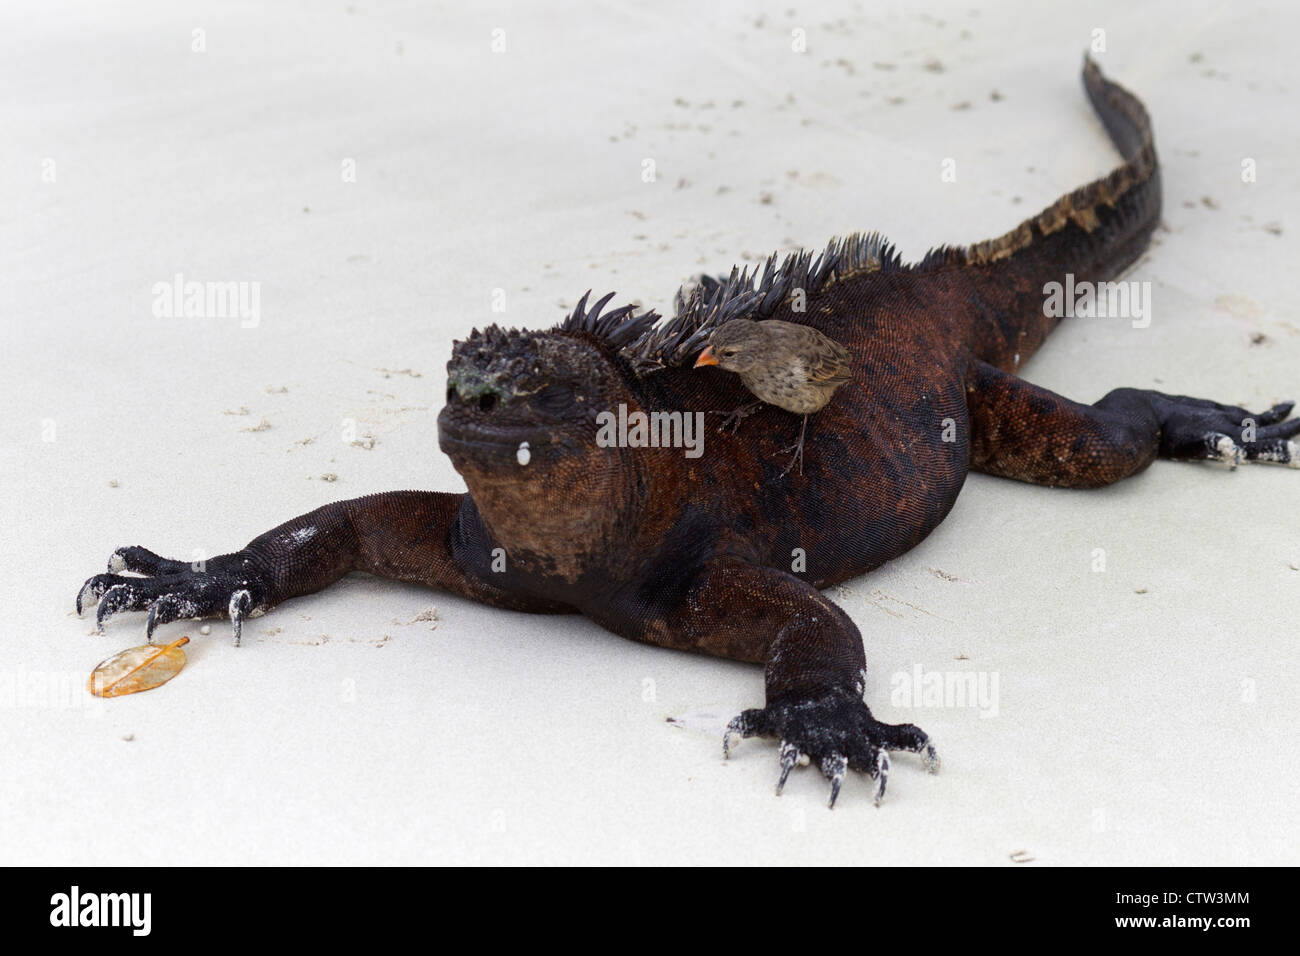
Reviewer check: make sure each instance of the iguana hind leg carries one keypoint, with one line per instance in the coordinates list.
(1022, 431)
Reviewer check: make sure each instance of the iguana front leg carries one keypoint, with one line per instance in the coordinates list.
(422, 537)
(815, 666)
(1019, 430)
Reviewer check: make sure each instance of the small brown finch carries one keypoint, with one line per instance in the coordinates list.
(794, 367)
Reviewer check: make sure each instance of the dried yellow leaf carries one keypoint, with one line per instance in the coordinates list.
(137, 668)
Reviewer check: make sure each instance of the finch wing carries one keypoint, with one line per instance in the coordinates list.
(829, 364)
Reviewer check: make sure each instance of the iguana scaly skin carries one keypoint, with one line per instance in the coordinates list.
(695, 553)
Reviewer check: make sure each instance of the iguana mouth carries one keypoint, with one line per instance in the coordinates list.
(468, 440)
(456, 430)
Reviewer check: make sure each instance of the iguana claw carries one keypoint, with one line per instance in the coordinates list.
(834, 767)
(738, 727)
(789, 757)
(241, 604)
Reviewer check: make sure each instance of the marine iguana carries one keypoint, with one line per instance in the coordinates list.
(695, 552)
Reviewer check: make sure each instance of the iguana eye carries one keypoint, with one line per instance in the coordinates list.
(554, 398)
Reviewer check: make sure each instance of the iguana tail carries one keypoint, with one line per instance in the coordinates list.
(1091, 234)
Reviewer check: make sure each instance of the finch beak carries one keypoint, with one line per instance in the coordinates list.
(706, 358)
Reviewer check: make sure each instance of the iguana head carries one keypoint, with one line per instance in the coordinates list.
(520, 427)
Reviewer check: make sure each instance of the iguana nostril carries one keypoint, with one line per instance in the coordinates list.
(487, 402)
(451, 394)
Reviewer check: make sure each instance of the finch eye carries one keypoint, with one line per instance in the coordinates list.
(554, 398)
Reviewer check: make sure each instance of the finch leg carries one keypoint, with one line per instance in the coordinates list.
(797, 448)
(734, 418)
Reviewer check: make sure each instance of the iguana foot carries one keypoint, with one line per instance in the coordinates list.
(1198, 429)
(226, 586)
(838, 731)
